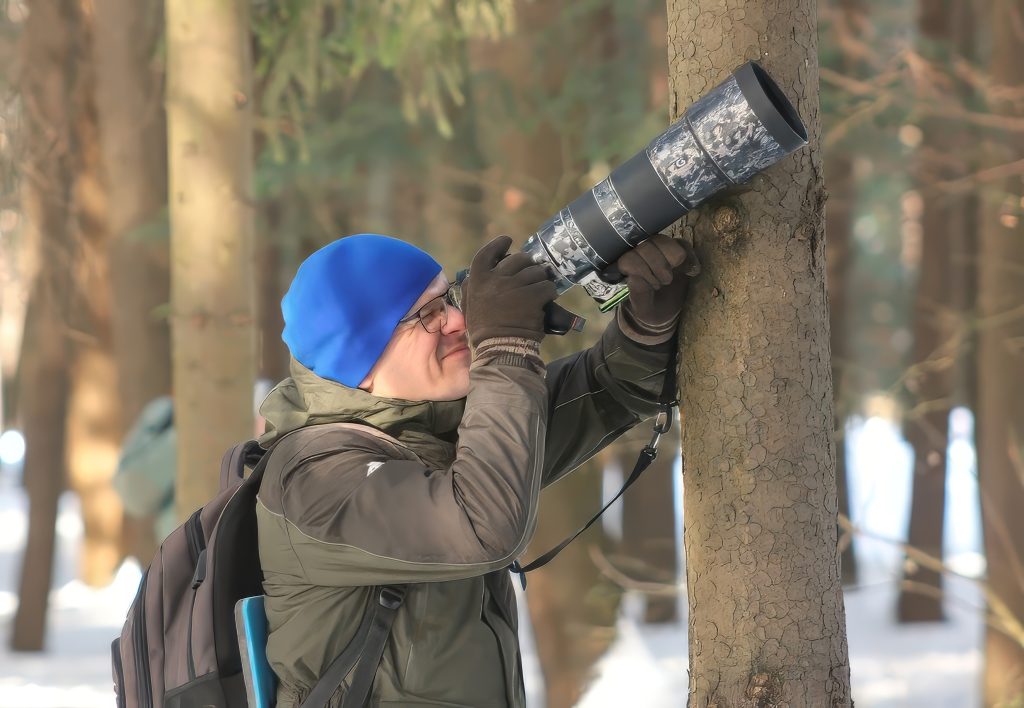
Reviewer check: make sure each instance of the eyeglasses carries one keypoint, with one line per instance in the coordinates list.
(434, 315)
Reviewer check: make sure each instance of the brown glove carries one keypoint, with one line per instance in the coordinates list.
(658, 273)
(505, 296)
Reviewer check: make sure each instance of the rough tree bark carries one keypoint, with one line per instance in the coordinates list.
(46, 83)
(133, 136)
(209, 120)
(1000, 416)
(767, 623)
(946, 27)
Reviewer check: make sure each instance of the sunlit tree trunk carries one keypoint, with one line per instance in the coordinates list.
(133, 134)
(94, 416)
(210, 154)
(767, 622)
(1000, 427)
(46, 84)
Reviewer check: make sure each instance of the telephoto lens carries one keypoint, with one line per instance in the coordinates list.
(739, 128)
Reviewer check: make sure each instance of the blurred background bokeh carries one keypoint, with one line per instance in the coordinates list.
(447, 122)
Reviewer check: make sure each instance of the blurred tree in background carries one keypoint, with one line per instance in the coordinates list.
(133, 136)
(1000, 410)
(94, 406)
(46, 83)
(841, 23)
(935, 223)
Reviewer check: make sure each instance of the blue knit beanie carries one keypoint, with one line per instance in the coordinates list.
(345, 300)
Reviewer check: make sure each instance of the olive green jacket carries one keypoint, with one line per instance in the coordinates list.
(439, 494)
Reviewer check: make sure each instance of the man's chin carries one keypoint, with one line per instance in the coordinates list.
(458, 386)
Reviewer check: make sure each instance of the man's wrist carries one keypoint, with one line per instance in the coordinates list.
(644, 332)
(510, 351)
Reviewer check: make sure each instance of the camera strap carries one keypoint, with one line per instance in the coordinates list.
(662, 424)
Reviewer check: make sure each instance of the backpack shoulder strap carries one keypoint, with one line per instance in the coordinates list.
(235, 460)
(364, 652)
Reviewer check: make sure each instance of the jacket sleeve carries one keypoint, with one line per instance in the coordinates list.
(365, 514)
(596, 395)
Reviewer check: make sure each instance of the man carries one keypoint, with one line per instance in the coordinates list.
(464, 426)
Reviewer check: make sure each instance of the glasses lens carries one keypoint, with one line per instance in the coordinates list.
(434, 315)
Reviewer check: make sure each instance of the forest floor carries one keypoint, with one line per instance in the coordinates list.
(893, 666)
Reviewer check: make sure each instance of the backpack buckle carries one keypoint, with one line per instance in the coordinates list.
(662, 424)
(390, 598)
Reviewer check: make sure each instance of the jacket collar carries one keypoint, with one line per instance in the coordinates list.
(428, 428)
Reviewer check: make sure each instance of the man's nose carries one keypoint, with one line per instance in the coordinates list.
(456, 321)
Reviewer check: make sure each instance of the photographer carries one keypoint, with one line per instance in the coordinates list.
(464, 424)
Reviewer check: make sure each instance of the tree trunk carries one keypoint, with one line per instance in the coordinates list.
(46, 82)
(274, 357)
(93, 440)
(572, 607)
(43, 415)
(767, 622)
(454, 214)
(649, 546)
(133, 135)
(210, 148)
(946, 31)
(849, 18)
(839, 260)
(94, 416)
(925, 429)
(1000, 436)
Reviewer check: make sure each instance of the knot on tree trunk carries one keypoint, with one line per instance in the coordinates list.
(763, 690)
(727, 223)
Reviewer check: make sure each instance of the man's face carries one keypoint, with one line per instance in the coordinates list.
(418, 365)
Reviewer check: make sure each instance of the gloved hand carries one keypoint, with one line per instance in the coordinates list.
(658, 273)
(505, 295)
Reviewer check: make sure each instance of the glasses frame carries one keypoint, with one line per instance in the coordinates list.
(452, 297)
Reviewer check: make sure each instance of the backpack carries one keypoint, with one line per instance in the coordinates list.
(179, 646)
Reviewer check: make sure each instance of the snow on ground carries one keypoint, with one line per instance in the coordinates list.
(934, 665)
(74, 672)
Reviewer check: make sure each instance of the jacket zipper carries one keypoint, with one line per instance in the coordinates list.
(141, 643)
(197, 552)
